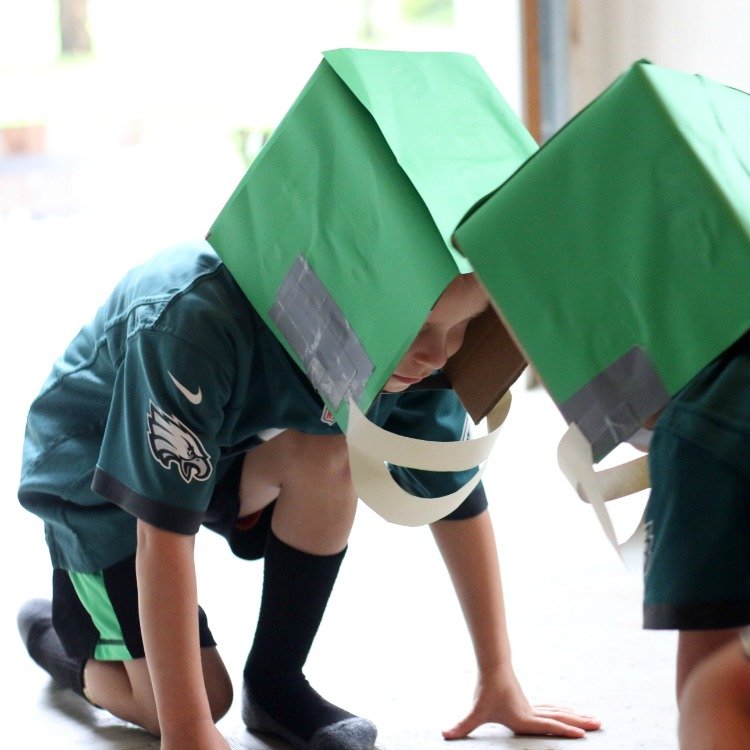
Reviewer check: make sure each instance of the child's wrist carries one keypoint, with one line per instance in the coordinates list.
(497, 670)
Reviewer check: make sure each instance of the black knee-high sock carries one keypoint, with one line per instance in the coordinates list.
(296, 588)
(45, 648)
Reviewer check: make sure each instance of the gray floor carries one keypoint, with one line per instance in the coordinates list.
(393, 646)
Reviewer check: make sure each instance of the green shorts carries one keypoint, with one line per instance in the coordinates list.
(96, 614)
(697, 565)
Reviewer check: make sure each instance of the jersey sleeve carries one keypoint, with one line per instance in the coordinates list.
(435, 415)
(159, 453)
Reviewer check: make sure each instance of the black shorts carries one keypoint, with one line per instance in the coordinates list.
(246, 536)
(96, 614)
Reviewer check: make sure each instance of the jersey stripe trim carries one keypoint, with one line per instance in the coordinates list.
(157, 514)
(696, 615)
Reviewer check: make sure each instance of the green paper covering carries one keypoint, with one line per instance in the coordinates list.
(619, 254)
(339, 233)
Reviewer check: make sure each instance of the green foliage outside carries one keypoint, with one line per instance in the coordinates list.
(438, 12)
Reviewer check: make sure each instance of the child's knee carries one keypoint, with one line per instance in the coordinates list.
(326, 463)
(220, 699)
(218, 683)
(314, 465)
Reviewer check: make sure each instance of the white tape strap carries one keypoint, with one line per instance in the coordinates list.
(417, 454)
(575, 457)
(371, 449)
(376, 487)
(625, 479)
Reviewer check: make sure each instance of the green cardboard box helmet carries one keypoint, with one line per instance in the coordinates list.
(619, 254)
(340, 232)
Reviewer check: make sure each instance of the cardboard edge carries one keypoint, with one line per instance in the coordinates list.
(486, 366)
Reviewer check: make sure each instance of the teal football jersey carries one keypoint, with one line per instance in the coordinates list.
(176, 374)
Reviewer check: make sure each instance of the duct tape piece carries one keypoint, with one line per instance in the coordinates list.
(320, 335)
(371, 449)
(614, 403)
(575, 458)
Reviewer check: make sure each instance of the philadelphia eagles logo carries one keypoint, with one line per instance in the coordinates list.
(173, 443)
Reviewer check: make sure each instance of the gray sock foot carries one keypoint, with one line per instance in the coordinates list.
(348, 733)
(44, 646)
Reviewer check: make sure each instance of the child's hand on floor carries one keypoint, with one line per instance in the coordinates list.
(502, 701)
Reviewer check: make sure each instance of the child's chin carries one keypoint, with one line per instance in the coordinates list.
(395, 387)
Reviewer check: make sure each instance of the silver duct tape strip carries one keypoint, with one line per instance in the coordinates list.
(615, 403)
(320, 335)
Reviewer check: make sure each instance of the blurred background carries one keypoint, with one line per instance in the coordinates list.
(124, 127)
(125, 124)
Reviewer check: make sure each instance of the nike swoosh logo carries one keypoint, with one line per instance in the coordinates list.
(193, 398)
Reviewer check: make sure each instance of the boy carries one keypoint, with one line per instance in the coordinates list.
(697, 568)
(153, 423)
(621, 287)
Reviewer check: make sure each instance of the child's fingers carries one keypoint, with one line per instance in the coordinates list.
(543, 720)
(463, 728)
(568, 716)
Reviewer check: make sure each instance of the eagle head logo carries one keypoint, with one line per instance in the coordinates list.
(173, 443)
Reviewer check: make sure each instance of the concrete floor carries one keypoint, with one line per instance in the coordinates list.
(393, 646)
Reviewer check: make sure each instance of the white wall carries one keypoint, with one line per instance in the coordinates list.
(606, 36)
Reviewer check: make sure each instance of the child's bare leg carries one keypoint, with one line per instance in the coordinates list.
(715, 704)
(693, 646)
(308, 476)
(124, 688)
(316, 506)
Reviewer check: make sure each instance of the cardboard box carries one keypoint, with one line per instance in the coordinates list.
(619, 254)
(340, 232)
